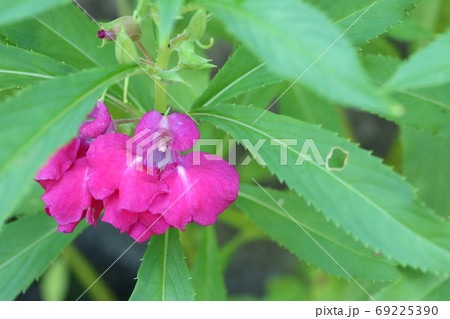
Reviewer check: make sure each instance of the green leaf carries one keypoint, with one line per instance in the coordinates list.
(411, 30)
(19, 67)
(168, 11)
(366, 198)
(41, 119)
(207, 277)
(427, 68)
(163, 274)
(65, 34)
(425, 164)
(380, 16)
(261, 97)
(413, 285)
(357, 260)
(11, 11)
(36, 245)
(300, 103)
(298, 42)
(425, 109)
(240, 74)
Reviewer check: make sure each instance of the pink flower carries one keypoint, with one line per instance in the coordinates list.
(64, 176)
(145, 183)
(159, 187)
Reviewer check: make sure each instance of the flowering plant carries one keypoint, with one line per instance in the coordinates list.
(179, 118)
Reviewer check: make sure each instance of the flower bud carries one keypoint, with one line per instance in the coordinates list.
(127, 24)
(107, 35)
(131, 25)
(126, 52)
(197, 25)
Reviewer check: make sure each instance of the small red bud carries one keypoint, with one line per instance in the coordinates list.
(107, 35)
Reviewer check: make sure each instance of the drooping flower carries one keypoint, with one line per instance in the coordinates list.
(145, 183)
(64, 176)
(145, 179)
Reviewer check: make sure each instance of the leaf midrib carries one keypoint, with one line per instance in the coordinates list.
(23, 251)
(416, 95)
(164, 272)
(345, 184)
(37, 75)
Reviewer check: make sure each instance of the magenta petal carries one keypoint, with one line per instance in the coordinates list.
(68, 199)
(68, 228)
(139, 232)
(150, 121)
(140, 226)
(59, 163)
(101, 124)
(147, 225)
(138, 189)
(109, 171)
(198, 191)
(117, 217)
(156, 223)
(185, 132)
(107, 161)
(180, 127)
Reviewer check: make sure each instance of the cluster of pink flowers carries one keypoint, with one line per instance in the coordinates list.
(145, 184)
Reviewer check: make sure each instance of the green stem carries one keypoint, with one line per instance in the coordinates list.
(125, 90)
(162, 61)
(144, 51)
